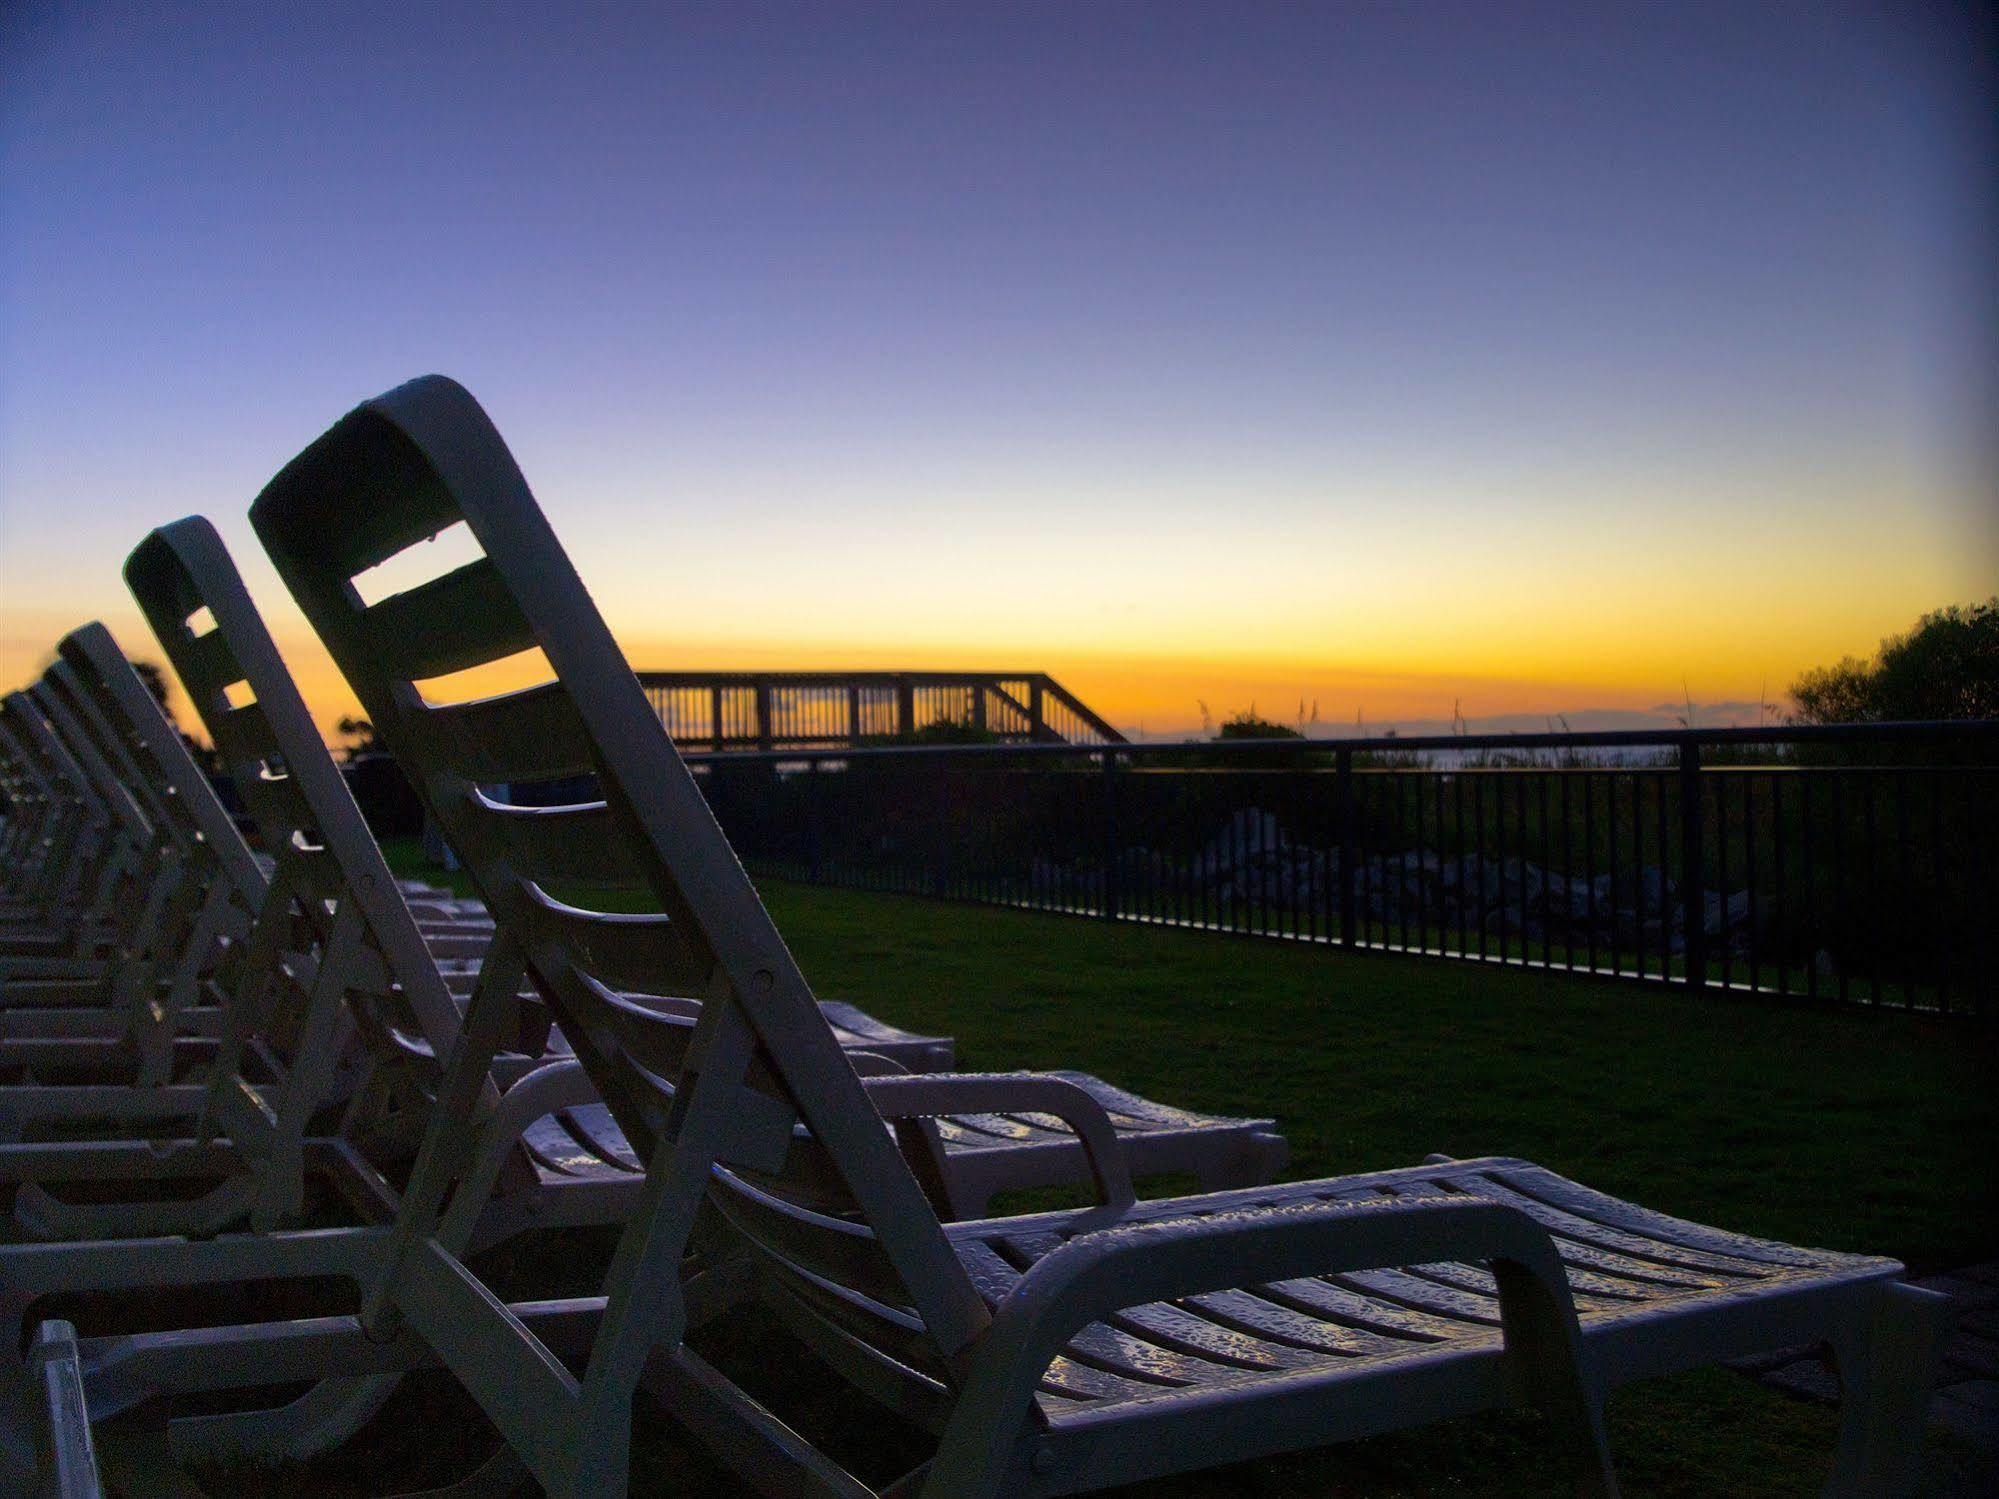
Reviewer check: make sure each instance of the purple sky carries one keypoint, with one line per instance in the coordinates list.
(1545, 353)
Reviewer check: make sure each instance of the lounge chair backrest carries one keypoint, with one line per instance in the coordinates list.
(73, 757)
(25, 802)
(106, 754)
(26, 795)
(202, 885)
(151, 753)
(287, 958)
(113, 839)
(296, 796)
(26, 785)
(761, 1057)
(28, 776)
(71, 849)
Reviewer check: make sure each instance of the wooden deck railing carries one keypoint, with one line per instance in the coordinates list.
(831, 710)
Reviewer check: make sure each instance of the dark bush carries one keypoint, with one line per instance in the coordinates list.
(384, 795)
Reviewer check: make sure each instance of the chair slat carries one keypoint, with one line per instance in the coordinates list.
(554, 846)
(836, 1253)
(463, 619)
(531, 735)
(627, 952)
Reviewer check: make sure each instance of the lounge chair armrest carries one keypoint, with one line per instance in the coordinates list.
(931, 1095)
(556, 1085)
(561, 1083)
(1097, 1274)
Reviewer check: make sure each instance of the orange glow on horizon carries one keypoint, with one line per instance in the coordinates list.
(1752, 654)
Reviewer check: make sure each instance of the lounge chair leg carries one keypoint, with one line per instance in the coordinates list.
(72, 1459)
(1596, 1474)
(1886, 1373)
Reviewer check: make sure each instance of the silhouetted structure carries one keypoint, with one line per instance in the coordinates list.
(805, 709)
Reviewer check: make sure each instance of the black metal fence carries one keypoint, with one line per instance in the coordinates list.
(1856, 864)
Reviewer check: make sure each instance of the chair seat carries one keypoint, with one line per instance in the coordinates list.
(1000, 1150)
(1629, 1269)
(582, 1143)
(1138, 1120)
(855, 1028)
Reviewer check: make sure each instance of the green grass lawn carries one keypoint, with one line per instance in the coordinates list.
(1852, 1131)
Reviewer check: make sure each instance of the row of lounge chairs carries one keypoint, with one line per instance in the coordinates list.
(221, 1067)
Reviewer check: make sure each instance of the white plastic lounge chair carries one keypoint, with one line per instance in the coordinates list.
(247, 1116)
(332, 953)
(37, 815)
(183, 569)
(1053, 1354)
(194, 888)
(29, 848)
(137, 865)
(201, 888)
(547, 1153)
(88, 864)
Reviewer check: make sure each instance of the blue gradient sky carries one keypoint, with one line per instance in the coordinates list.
(1543, 356)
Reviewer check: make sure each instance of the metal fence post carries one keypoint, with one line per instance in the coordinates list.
(1693, 902)
(814, 823)
(1344, 792)
(763, 716)
(1110, 901)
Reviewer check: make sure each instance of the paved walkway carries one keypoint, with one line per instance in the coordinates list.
(1966, 1406)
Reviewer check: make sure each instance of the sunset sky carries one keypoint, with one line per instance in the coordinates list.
(1538, 358)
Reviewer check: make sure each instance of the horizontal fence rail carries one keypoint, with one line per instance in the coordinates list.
(1852, 864)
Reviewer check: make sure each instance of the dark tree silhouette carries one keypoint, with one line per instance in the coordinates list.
(1946, 667)
(155, 679)
(357, 736)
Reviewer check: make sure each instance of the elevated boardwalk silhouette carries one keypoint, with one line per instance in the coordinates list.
(834, 709)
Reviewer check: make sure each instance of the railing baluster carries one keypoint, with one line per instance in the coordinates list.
(1871, 780)
(1782, 918)
(1840, 926)
(1440, 929)
(1459, 849)
(1521, 932)
(1611, 779)
(1343, 767)
(1749, 841)
(1589, 869)
(1693, 904)
(1940, 943)
(1722, 780)
(1402, 852)
(1484, 862)
(1904, 890)
(1814, 906)
(1973, 866)
(1547, 870)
